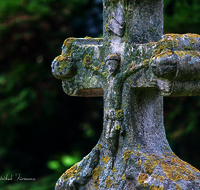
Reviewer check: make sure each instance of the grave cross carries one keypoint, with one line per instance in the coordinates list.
(132, 67)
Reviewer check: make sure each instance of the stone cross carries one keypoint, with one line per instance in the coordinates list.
(133, 66)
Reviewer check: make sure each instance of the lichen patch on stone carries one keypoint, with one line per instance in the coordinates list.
(96, 176)
(108, 182)
(73, 172)
(142, 178)
(105, 159)
(127, 153)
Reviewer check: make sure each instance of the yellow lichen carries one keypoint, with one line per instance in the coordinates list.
(73, 172)
(119, 114)
(150, 164)
(118, 127)
(192, 35)
(144, 154)
(182, 54)
(152, 187)
(108, 182)
(87, 61)
(174, 168)
(88, 38)
(142, 178)
(170, 41)
(127, 153)
(145, 62)
(193, 41)
(172, 174)
(178, 187)
(194, 169)
(138, 153)
(139, 146)
(174, 155)
(68, 44)
(163, 54)
(96, 68)
(115, 185)
(174, 36)
(95, 174)
(98, 146)
(60, 58)
(131, 66)
(87, 157)
(105, 159)
(106, 27)
(96, 183)
(161, 178)
(123, 177)
(139, 163)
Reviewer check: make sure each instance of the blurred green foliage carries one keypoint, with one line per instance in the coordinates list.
(43, 131)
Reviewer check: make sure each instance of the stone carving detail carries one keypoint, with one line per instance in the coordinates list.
(116, 27)
(132, 76)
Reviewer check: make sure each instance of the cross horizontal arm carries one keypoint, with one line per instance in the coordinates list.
(176, 63)
(71, 66)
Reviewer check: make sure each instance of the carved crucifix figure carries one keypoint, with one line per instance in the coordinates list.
(115, 80)
(132, 67)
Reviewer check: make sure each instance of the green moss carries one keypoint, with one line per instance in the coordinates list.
(188, 48)
(63, 62)
(139, 146)
(118, 127)
(152, 30)
(119, 114)
(68, 44)
(87, 61)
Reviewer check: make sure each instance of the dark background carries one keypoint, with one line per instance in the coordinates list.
(44, 131)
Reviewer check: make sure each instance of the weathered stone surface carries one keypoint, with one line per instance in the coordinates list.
(132, 67)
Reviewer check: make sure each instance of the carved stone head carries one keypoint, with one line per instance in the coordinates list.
(112, 63)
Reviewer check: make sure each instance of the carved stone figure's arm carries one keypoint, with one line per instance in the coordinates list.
(133, 68)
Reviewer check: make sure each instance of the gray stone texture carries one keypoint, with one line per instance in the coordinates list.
(133, 66)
